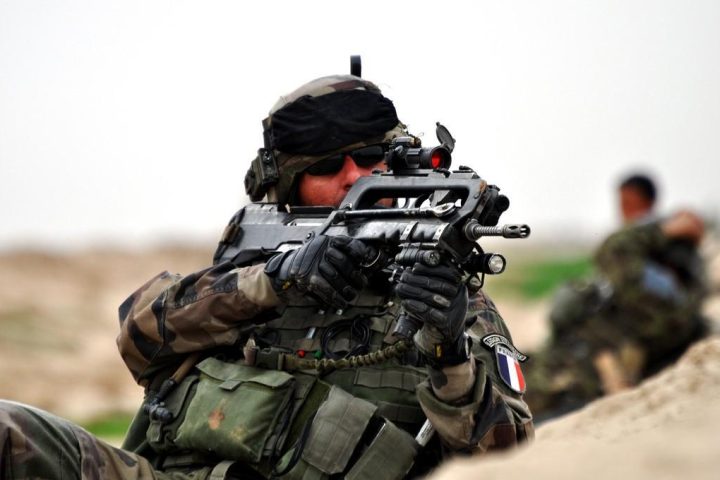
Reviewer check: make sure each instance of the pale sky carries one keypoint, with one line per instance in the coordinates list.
(133, 121)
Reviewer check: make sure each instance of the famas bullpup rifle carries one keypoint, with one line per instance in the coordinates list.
(437, 215)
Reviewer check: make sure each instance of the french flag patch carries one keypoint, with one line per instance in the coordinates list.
(509, 369)
(508, 360)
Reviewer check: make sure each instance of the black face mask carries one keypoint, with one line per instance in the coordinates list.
(317, 125)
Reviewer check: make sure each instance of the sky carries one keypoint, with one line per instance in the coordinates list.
(131, 123)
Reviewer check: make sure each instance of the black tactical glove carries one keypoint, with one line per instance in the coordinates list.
(437, 297)
(325, 267)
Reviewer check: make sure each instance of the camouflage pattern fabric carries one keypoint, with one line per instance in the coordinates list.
(660, 320)
(171, 316)
(641, 329)
(472, 410)
(40, 446)
(484, 414)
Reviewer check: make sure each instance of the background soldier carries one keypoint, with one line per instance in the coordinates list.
(635, 316)
(212, 348)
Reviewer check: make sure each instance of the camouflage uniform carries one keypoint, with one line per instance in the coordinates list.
(158, 331)
(642, 307)
(38, 445)
(223, 418)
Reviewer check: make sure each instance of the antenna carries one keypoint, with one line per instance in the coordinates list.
(355, 65)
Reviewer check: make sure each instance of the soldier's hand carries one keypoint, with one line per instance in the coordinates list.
(325, 267)
(436, 297)
(684, 224)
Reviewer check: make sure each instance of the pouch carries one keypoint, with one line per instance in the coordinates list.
(390, 456)
(334, 442)
(236, 409)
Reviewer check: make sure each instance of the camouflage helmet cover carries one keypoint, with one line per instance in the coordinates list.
(291, 165)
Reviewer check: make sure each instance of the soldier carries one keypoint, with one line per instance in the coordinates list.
(214, 349)
(636, 315)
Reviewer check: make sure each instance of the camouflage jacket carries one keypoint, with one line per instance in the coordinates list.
(658, 284)
(171, 316)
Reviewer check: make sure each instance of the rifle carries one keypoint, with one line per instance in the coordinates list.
(438, 215)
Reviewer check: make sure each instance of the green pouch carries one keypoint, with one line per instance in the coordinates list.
(337, 429)
(335, 432)
(390, 456)
(161, 435)
(235, 410)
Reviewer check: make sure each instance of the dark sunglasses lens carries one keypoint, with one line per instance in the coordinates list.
(363, 157)
(368, 156)
(327, 166)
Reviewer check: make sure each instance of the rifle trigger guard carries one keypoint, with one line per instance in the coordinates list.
(374, 261)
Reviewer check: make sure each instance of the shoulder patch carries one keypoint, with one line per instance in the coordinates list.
(508, 360)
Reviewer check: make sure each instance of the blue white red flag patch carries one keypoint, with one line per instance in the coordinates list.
(508, 360)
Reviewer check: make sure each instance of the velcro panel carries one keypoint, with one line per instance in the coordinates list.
(386, 378)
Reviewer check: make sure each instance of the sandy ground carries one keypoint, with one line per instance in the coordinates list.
(667, 428)
(58, 322)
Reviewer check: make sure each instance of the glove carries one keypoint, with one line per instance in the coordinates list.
(436, 297)
(325, 267)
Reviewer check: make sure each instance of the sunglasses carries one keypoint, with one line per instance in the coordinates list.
(363, 157)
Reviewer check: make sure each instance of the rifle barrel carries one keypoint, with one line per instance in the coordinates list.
(474, 231)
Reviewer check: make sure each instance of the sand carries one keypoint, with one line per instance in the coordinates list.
(666, 428)
(58, 324)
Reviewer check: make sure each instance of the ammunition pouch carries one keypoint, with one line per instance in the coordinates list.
(346, 437)
(279, 424)
(237, 412)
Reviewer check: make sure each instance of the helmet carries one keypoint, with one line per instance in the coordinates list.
(321, 118)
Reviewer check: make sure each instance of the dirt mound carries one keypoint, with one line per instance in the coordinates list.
(666, 428)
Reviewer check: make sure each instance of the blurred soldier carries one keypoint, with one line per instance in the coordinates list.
(638, 313)
(215, 349)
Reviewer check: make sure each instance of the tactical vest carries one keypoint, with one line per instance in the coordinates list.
(268, 411)
(280, 421)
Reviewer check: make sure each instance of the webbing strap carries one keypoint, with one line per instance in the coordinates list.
(221, 469)
(184, 460)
